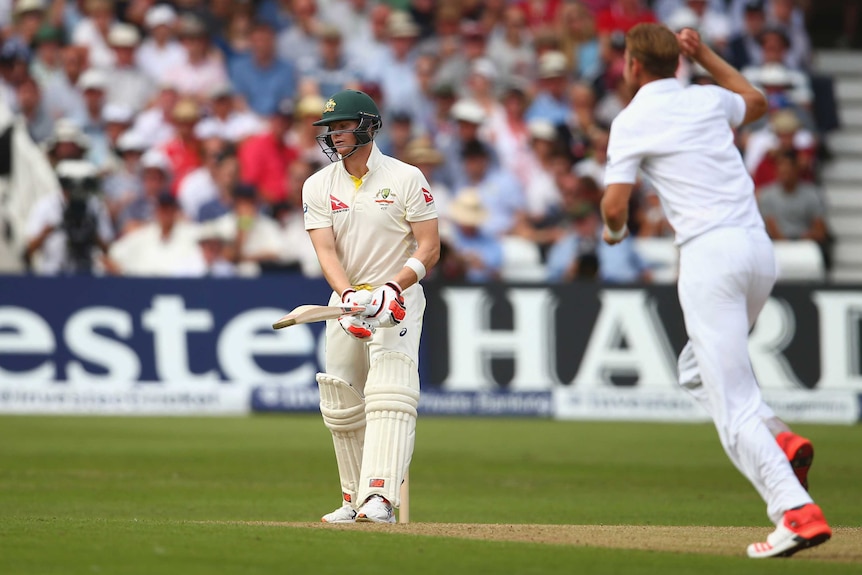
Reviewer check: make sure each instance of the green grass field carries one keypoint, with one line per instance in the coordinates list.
(181, 495)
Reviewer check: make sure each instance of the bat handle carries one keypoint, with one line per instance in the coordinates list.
(404, 507)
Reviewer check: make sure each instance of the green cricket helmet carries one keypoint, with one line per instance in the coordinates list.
(349, 105)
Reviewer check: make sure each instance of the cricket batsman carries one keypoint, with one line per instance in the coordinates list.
(373, 224)
(681, 137)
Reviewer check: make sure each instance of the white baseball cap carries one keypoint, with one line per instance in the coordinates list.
(542, 130)
(160, 15)
(131, 141)
(153, 158)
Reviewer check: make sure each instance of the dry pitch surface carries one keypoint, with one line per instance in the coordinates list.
(845, 545)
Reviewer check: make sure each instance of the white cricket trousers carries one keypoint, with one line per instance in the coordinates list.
(725, 277)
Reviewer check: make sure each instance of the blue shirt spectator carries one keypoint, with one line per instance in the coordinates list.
(480, 253)
(260, 77)
(499, 190)
(618, 264)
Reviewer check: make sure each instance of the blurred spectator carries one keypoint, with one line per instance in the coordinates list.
(277, 12)
(479, 252)
(397, 134)
(482, 88)
(226, 177)
(395, 71)
(226, 120)
(773, 72)
(203, 68)
(511, 139)
(92, 32)
(302, 136)
(46, 62)
(13, 70)
(468, 117)
(164, 247)
(261, 78)
(619, 18)
(264, 158)
(352, 17)
(253, 238)
(712, 24)
(581, 253)
(123, 185)
(212, 244)
(792, 209)
(160, 51)
(298, 42)
(593, 165)
(60, 97)
(664, 8)
(129, 85)
(580, 40)
(184, 149)
(788, 16)
(154, 124)
(510, 45)
(93, 85)
(783, 133)
(744, 47)
(551, 102)
(455, 69)
(67, 142)
(27, 18)
(541, 196)
(65, 233)
(199, 186)
(425, 69)
(421, 153)
(499, 191)
(332, 71)
(117, 119)
(366, 45)
(40, 125)
(296, 249)
(155, 169)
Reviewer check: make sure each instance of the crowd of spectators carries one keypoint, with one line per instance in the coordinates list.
(180, 133)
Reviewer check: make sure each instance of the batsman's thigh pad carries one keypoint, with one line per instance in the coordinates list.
(392, 396)
(343, 410)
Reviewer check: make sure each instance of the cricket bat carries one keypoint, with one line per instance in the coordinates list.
(312, 313)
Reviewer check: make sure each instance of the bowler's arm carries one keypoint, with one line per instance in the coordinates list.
(615, 211)
(724, 74)
(323, 240)
(427, 251)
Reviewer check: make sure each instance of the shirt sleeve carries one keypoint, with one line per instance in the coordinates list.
(315, 209)
(732, 104)
(419, 205)
(624, 155)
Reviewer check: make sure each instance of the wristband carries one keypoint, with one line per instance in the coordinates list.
(617, 235)
(417, 266)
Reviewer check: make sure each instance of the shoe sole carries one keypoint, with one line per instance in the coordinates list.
(803, 543)
(366, 519)
(801, 462)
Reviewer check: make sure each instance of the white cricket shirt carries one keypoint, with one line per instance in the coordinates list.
(681, 138)
(370, 217)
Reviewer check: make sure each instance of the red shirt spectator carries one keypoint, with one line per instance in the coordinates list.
(623, 15)
(183, 150)
(265, 158)
(540, 14)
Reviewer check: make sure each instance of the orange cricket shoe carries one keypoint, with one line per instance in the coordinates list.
(800, 529)
(799, 452)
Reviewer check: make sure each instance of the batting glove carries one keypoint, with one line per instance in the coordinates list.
(354, 297)
(358, 327)
(387, 305)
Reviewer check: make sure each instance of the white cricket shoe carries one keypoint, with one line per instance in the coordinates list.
(800, 529)
(376, 509)
(344, 514)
